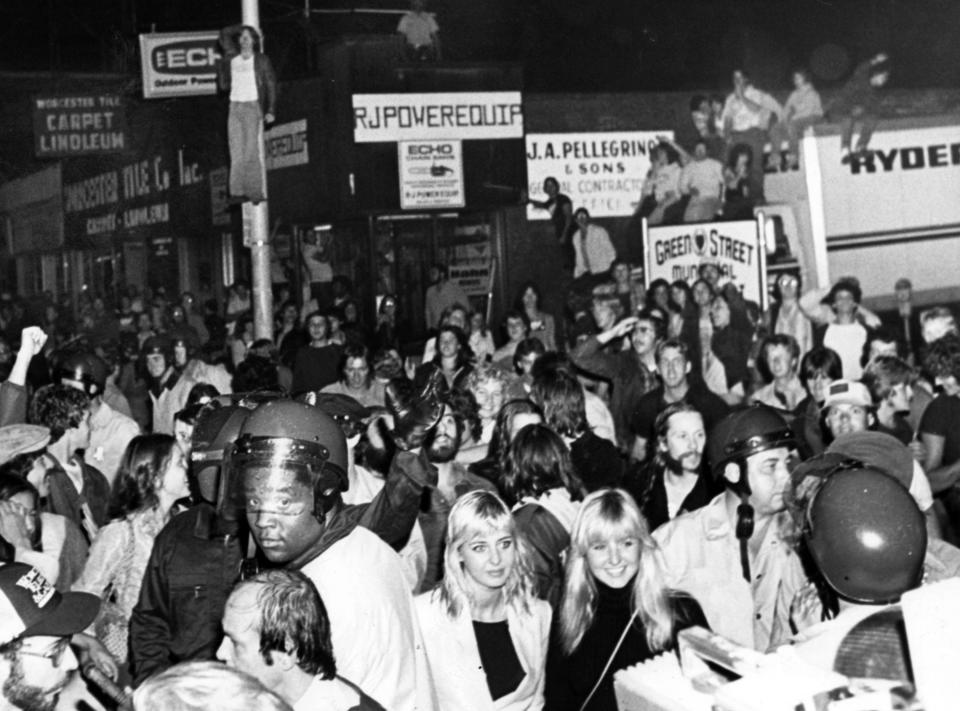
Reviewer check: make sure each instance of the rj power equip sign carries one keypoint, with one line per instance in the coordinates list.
(179, 64)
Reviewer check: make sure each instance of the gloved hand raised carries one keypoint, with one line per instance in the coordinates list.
(415, 413)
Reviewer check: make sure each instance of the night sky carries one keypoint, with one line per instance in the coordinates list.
(565, 45)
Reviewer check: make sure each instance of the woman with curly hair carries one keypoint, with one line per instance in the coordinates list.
(616, 609)
(152, 478)
(513, 416)
(484, 632)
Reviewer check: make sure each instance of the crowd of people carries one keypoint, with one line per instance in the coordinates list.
(734, 141)
(502, 523)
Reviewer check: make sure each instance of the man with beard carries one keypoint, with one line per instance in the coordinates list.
(453, 481)
(36, 661)
(674, 482)
(733, 555)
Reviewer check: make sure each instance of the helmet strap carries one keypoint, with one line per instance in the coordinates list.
(745, 525)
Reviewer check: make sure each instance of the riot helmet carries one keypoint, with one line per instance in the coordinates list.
(746, 432)
(216, 430)
(285, 434)
(87, 369)
(866, 535)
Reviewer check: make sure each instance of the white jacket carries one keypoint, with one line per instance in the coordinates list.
(454, 659)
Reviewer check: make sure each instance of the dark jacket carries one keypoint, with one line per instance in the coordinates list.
(645, 484)
(13, 403)
(597, 461)
(64, 499)
(570, 678)
(196, 559)
(629, 378)
(262, 68)
(193, 566)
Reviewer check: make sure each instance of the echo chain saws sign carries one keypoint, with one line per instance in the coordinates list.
(431, 174)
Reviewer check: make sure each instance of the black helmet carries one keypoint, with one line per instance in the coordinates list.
(745, 432)
(867, 535)
(293, 434)
(159, 344)
(216, 430)
(86, 368)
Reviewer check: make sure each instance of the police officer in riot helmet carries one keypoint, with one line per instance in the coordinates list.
(198, 550)
(289, 468)
(734, 555)
(867, 542)
(752, 451)
(866, 535)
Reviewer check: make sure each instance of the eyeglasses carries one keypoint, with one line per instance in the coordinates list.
(54, 653)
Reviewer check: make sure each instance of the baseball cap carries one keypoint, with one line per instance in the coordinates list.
(30, 606)
(847, 392)
(877, 449)
(22, 438)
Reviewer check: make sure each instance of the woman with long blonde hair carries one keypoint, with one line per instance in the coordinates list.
(616, 610)
(484, 631)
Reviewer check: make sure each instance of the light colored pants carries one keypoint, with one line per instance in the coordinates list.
(245, 139)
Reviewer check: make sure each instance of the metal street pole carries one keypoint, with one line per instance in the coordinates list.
(256, 220)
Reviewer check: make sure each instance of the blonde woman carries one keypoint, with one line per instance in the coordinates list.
(484, 632)
(615, 610)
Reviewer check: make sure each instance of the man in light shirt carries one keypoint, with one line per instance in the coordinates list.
(702, 180)
(747, 115)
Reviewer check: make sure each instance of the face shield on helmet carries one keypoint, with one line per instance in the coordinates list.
(292, 437)
(216, 430)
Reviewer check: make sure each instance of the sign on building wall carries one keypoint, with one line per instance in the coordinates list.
(475, 277)
(735, 248)
(79, 124)
(179, 64)
(285, 145)
(603, 172)
(908, 181)
(385, 118)
(431, 174)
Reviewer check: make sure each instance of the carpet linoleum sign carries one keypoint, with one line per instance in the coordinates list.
(602, 172)
(431, 174)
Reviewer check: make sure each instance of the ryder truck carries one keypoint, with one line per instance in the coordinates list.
(893, 214)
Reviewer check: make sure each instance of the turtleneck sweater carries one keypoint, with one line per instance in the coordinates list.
(570, 678)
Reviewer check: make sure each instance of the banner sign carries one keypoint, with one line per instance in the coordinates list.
(735, 248)
(135, 196)
(431, 174)
(285, 145)
(603, 172)
(474, 277)
(385, 118)
(79, 124)
(179, 64)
